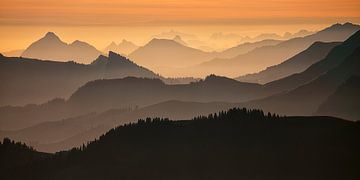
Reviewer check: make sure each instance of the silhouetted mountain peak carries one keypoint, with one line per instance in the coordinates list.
(114, 56)
(178, 39)
(77, 42)
(124, 41)
(342, 27)
(51, 35)
(163, 42)
(81, 44)
(112, 44)
(212, 78)
(101, 60)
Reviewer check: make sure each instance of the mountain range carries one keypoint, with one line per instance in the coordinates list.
(260, 58)
(124, 48)
(50, 47)
(160, 54)
(36, 81)
(113, 90)
(304, 92)
(53, 132)
(129, 92)
(293, 65)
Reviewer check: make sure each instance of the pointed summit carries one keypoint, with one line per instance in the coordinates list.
(117, 59)
(342, 27)
(100, 61)
(112, 44)
(125, 47)
(51, 36)
(178, 39)
(50, 47)
(113, 55)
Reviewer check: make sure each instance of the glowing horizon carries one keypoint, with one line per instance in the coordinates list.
(100, 22)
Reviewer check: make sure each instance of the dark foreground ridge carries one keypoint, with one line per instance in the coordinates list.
(237, 144)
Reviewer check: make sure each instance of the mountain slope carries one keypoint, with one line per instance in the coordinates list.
(307, 98)
(345, 102)
(295, 64)
(246, 47)
(35, 81)
(129, 92)
(334, 58)
(120, 93)
(237, 144)
(266, 56)
(50, 47)
(161, 53)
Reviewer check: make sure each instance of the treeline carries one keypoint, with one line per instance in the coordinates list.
(234, 144)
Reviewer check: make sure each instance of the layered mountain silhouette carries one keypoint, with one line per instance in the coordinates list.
(129, 92)
(236, 144)
(247, 47)
(64, 133)
(307, 90)
(50, 47)
(295, 64)
(333, 59)
(160, 54)
(36, 81)
(345, 102)
(119, 93)
(125, 47)
(260, 58)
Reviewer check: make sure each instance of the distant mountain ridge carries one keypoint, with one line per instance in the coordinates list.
(103, 94)
(304, 92)
(124, 48)
(50, 47)
(295, 64)
(246, 47)
(162, 54)
(260, 58)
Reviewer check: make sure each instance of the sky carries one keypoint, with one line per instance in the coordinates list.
(101, 21)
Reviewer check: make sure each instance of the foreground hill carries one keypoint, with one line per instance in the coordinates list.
(237, 144)
(15, 154)
(295, 64)
(50, 47)
(26, 81)
(260, 58)
(345, 102)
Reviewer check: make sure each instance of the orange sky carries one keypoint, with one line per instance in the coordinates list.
(23, 21)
